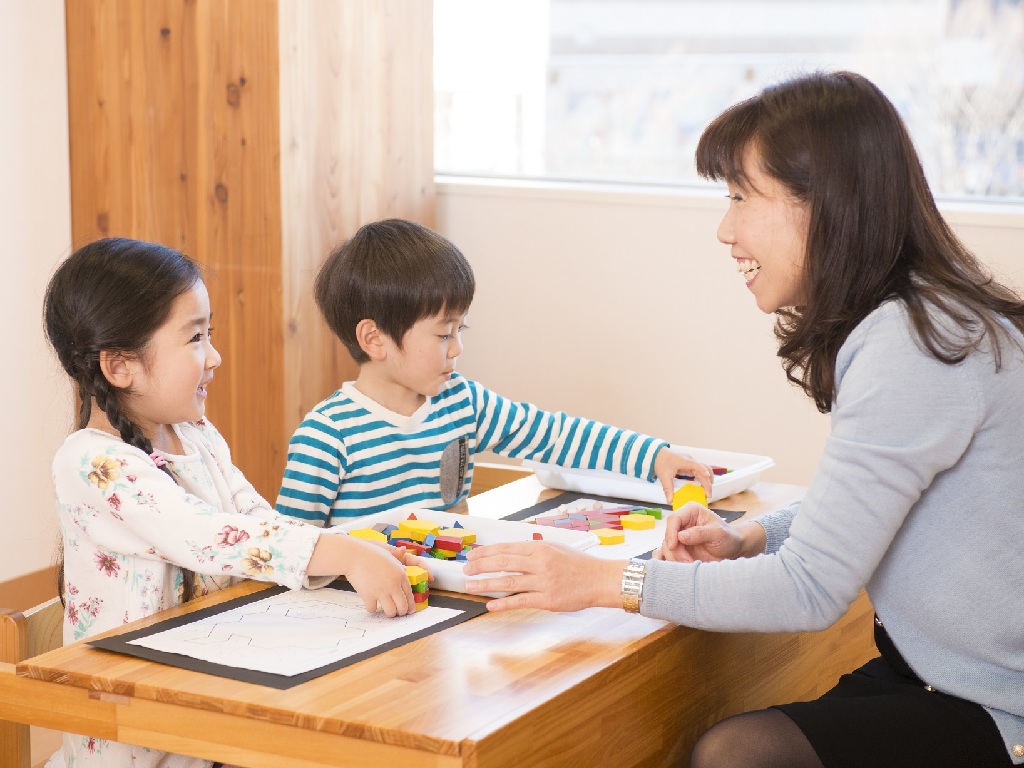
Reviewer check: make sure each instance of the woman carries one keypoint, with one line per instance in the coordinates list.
(888, 322)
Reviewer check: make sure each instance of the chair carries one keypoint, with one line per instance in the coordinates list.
(22, 636)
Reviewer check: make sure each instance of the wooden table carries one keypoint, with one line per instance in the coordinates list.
(592, 688)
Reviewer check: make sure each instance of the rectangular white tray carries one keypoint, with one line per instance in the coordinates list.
(746, 470)
(448, 574)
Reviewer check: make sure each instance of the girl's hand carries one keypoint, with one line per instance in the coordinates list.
(375, 571)
(697, 533)
(669, 465)
(544, 575)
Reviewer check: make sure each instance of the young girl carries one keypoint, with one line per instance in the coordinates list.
(151, 508)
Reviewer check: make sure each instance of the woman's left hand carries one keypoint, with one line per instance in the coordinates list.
(544, 575)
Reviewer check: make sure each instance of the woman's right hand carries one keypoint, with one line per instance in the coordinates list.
(696, 533)
(375, 571)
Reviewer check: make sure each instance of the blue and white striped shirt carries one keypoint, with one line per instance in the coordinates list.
(351, 456)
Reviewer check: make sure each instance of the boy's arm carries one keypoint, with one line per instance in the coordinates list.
(313, 474)
(523, 431)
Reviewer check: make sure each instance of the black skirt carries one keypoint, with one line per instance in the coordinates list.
(883, 715)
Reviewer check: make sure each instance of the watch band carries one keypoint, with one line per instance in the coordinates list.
(633, 585)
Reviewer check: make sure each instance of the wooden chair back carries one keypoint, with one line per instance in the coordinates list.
(22, 636)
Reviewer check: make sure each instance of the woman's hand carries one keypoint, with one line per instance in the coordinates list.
(375, 571)
(697, 533)
(668, 466)
(544, 575)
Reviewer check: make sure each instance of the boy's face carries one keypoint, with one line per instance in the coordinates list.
(426, 359)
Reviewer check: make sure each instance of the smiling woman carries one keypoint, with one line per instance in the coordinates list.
(884, 319)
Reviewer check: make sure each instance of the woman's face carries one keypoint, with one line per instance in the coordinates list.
(766, 230)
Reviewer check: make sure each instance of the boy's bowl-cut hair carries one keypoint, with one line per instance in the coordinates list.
(394, 272)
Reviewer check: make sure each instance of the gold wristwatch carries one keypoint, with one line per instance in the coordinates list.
(633, 585)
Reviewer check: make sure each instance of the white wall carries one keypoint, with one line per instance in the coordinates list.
(35, 219)
(623, 307)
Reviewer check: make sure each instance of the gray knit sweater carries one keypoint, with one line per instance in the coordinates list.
(919, 497)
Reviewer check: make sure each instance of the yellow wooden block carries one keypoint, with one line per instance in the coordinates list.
(467, 537)
(421, 606)
(417, 530)
(609, 535)
(416, 574)
(688, 492)
(637, 522)
(369, 534)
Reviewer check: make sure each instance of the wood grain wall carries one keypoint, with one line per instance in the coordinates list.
(252, 135)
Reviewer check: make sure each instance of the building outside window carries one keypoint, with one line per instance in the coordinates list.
(619, 91)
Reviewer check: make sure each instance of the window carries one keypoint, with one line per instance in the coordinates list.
(614, 90)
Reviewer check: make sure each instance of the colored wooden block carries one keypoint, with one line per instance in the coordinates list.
(637, 522)
(369, 534)
(608, 536)
(688, 492)
(653, 512)
(448, 543)
(421, 586)
(538, 537)
(421, 597)
(416, 574)
(414, 546)
(618, 511)
(464, 535)
(418, 529)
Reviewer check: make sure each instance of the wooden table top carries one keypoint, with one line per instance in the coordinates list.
(439, 697)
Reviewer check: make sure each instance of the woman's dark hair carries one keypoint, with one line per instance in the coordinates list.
(394, 272)
(113, 294)
(838, 145)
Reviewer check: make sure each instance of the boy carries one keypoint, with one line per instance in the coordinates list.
(406, 430)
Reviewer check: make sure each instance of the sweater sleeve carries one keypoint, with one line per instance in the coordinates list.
(885, 448)
(776, 526)
(521, 430)
(128, 507)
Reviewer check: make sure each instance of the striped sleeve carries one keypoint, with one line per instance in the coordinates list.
(314, 471)
(521, 430)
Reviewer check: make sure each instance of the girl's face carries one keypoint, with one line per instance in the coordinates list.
(169, 381)
(767, 232)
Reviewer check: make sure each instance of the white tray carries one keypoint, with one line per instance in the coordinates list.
(746, 470)
(448, 574)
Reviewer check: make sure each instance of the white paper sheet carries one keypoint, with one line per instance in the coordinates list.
(292, 632)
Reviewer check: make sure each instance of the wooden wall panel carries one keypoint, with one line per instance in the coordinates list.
(253, 136)
(363, 69)
(175, 138)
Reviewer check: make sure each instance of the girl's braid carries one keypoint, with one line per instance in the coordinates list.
(129, 431)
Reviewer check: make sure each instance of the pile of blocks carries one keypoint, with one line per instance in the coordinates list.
(422, 537)
(609, 524)
(420, 586)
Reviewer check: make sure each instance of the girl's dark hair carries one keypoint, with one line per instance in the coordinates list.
(394, 272)
(839, 146)
(113, 294)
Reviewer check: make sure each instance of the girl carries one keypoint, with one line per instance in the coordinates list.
(889, 323)
(151, 508)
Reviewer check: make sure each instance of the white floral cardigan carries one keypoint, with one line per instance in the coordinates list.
(127, 527)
